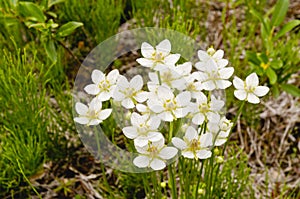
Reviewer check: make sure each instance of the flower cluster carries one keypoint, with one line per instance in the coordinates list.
(174, 91)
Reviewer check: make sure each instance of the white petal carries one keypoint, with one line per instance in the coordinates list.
(166, 116)
(94, 122)
(154, 122)
(220, 142)
(191, 133)
(206, 140)
(81, 120)
(208, 85)
(139, 142)
(141, 161)
(159, 144)
(154, 81)
(185, 68)
(141, 96)
(226, 73)
(141, 108)
(213, 117)
(95, 104)
(183, 99)
(216, 105)
(127, 103)
(181, 112)
(104, 96)
(164, 93)
(112, 76)
(261, 91)
(222, 63)
(147, 50)
(178, 83)
(223, 84)
(188, 154)
(156, 107)
(145, 62)
(179, 143)
(172, 59)
(154, 136)
(238, 83)
(240, 94)
(97, 76)
(104, 114)
(202, 55)
(164, 47)
(252, 80)
(81, 108)
(92, 89)
(198, 119)
(203, 154)
(218, 54)
(122, 83)
(136, 82)
(130, 132)
(252, 98)
(157, 164)
(168, 153)
(136, 119)
(117, 95)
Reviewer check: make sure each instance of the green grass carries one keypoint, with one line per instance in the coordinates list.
(35, 93)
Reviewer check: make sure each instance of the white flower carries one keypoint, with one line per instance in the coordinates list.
(211, 55)
(203, 110)
(192, 86)
(129, 93)
(103, 86)
(154, 155)
(143, 129)
(167, 106)
(220, 131)
(168, 77)
(212, 77)
(249, 90)
(92, 115)
(156, 58)
(194, 145)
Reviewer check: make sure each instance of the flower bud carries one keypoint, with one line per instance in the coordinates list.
(163, 184)
(220, 159)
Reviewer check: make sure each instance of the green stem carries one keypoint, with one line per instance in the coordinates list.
(198, 183)
(172, 182)
(158, 75)
(171, 132)
(170, 168)
(234, 124)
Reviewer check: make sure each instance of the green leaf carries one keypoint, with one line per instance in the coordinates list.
(68, 28)
(280, 11)
(271, 75)
(264, 58)
(293, 90)
(31, 11)
(53, 2)
(276, 64)
(286, 28)
(51, 50)
(252, 57)
(275, 90)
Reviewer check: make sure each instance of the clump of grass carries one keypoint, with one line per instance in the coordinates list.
(24, 106)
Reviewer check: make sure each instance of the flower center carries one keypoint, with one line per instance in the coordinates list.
(204, 108)
(129, 92)
(170, 104)
(104, 85)
(195, 145)
(152, 151)
(211, 51)
(92, 114)
(157, 57)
